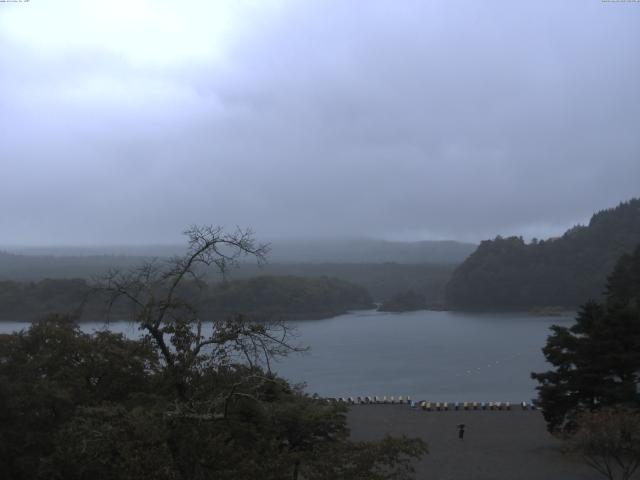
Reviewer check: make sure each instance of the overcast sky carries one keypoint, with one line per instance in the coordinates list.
(124, 121)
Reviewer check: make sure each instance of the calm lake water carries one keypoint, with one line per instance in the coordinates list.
(438, 356)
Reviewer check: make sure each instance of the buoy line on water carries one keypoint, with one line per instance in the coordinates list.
(430, 406)
(472, 370)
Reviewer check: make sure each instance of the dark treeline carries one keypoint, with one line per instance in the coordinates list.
(28, 301)
(260, 297)
(382, 280)
(285, 297)
(507, 273)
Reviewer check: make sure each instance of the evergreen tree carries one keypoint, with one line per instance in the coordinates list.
(597, 360)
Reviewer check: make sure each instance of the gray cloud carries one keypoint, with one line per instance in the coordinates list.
(398, 119)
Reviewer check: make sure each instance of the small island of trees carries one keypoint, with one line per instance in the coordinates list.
(404, 302)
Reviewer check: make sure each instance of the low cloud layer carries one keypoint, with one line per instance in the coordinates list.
(408, 120)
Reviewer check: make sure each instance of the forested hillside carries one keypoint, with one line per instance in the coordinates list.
(382, 280)
(260, 297)
(507, 273)
(285, 297)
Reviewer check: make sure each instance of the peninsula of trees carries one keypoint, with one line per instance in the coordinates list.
(265, 297)
(507, 273)
(408, 301)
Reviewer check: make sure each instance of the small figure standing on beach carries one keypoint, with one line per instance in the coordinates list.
(461, 431)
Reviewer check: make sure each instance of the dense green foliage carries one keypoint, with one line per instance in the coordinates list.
(80, 406)
(404, 302)
(260, 297)
(507, 273)
(597, 360)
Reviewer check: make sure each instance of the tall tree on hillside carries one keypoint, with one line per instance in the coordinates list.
(596, 360)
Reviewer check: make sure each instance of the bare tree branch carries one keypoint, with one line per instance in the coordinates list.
(155, 291)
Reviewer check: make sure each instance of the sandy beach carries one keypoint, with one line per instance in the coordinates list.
(509, 445)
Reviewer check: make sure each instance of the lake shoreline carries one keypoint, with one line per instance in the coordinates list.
(314, 316)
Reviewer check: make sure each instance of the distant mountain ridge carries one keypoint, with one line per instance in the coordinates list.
(369, 251)
(507, 273)
(33, 263)
(338, 250)
(37, 267)
(384, 268)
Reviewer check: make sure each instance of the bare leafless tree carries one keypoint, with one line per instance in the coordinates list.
(154, 290)
(609, 441)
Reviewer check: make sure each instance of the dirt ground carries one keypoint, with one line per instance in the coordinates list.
(509, 445)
